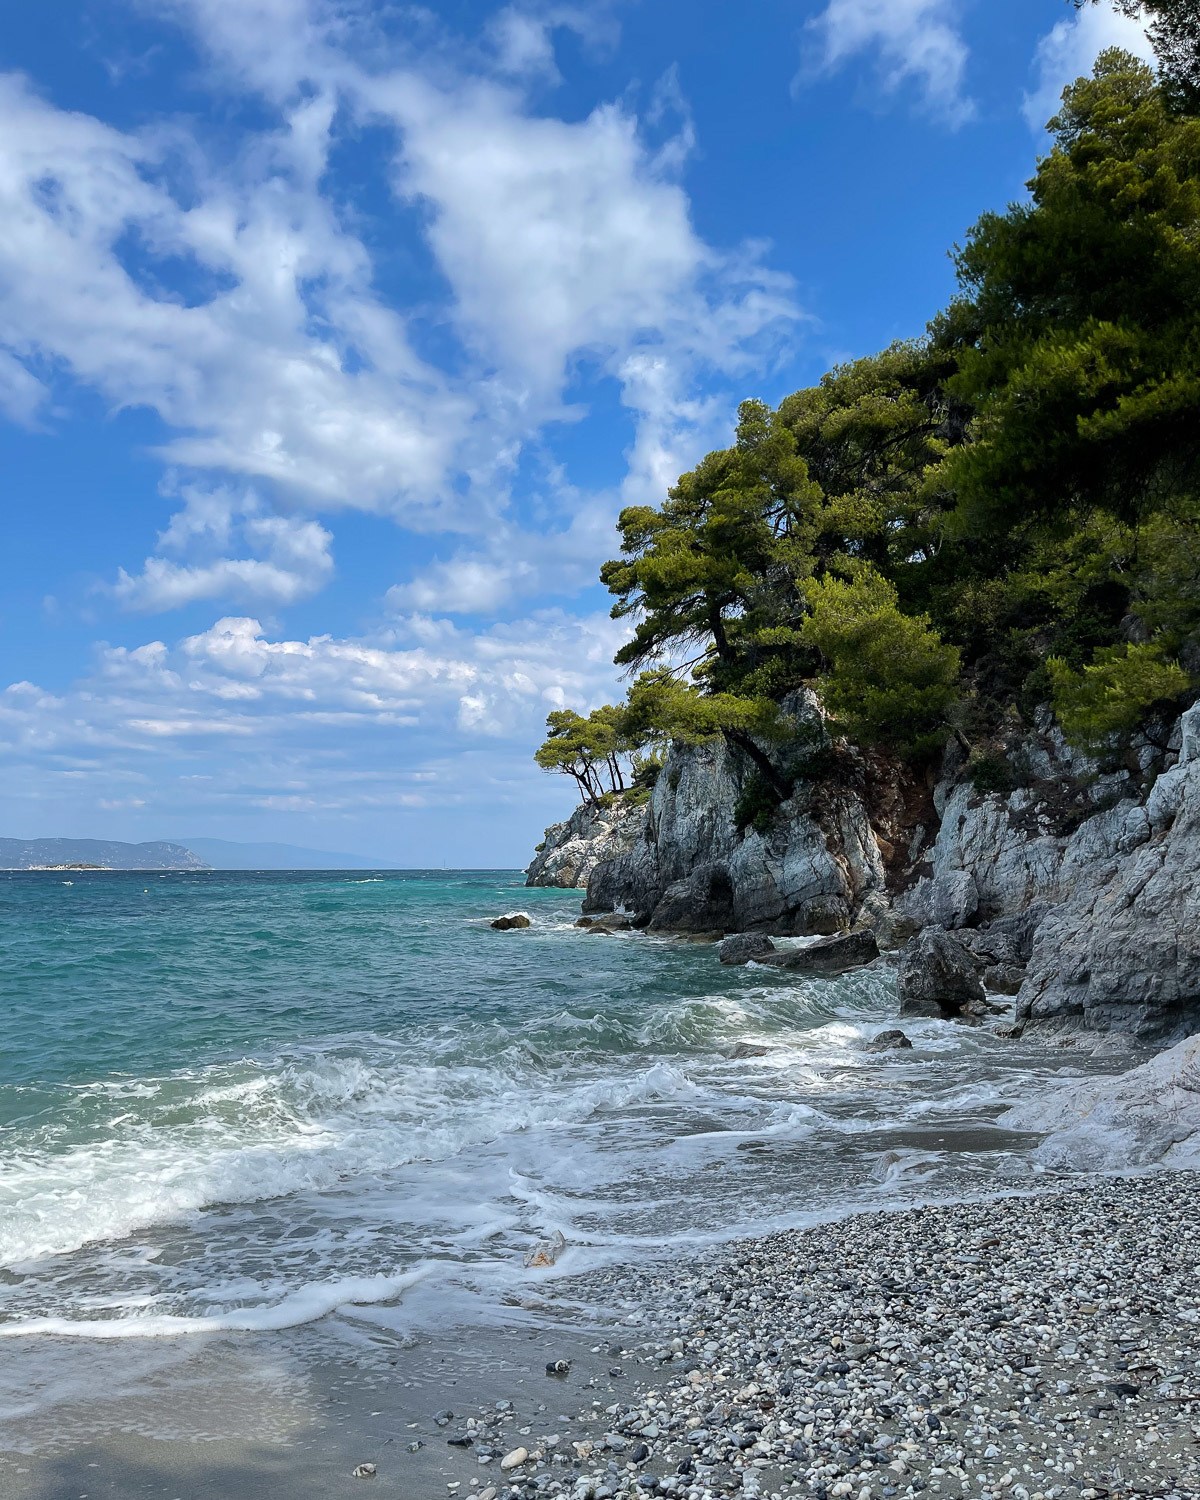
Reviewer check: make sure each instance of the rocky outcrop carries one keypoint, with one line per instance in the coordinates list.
(816, 868)
(570, 851)
(1121, 948)
(938, 977)
(511, 921)
(1078, 893)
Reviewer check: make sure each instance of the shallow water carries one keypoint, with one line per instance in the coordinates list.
(241, 1101)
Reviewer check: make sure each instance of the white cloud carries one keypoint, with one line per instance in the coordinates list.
(22, 394)
(915, 41)
(1070, 50)
(567, 244)
(417, 697)
(293, 556)
(280, 365)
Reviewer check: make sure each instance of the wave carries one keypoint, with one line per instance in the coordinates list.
(306, 1304)
(306, 1124)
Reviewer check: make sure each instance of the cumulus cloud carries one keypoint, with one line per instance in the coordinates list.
(237, 302)
(291, 560)
(1070, 50)
(913, 41)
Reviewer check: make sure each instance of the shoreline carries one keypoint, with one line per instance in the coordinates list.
(1017, 1346)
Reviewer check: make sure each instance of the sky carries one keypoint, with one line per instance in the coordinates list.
(334, 335)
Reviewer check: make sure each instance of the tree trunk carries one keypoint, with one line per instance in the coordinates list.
(762, 761)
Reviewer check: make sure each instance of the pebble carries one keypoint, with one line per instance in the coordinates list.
(1035, 1348)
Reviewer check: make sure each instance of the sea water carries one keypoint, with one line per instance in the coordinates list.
(251, 1102)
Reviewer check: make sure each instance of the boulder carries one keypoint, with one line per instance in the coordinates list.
(938, 978)
(511, 920)
(743, 947)
(1003, 979)
(893, 1040)
(829, 956)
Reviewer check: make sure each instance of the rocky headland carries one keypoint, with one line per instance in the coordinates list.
(1074, 886)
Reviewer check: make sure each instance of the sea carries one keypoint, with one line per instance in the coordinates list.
(253, 1102)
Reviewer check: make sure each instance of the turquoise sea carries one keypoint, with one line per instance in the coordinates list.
(255, 1101)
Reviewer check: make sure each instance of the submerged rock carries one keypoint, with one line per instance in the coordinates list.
(938, 978)
(830, 956)
(893, 1040)
(511, 920)
(742, 947)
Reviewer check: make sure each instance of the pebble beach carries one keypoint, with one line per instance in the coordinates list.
(1025, 1348)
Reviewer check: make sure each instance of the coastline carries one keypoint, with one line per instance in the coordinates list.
(1025, 1346)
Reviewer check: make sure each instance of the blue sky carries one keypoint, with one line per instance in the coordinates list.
(334, 335)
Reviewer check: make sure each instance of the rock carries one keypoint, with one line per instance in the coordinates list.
(515, 1459)
(1148, 1115)
(829, 956)
(558, 1367)
(513, 919)
(817, 869)
(742, 947)
(546, 1252)
(938, 978)
(954, 899)
(1003, 979)
(570, 851)
(702, 902)
(741, 1050)
(615, 921)
(363, 1471)
(1122, 949)
(888, 1041)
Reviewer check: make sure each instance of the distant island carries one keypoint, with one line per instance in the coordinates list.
(95, 854)
(189, 854)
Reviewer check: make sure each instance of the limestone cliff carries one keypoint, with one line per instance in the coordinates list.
(1078, 891)
(815, 867)
(570, 851)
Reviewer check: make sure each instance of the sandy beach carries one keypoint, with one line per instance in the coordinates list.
(1023, 1347)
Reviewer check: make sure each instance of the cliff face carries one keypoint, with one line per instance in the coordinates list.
(570, 851)
(1078, 892)
(1120, 949)
(816, 869)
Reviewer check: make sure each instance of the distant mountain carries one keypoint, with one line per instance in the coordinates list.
(105, 854)
(223, 854)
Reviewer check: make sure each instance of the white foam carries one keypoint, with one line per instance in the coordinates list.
(304, 1305)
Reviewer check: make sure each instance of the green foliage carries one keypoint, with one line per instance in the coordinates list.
(757, 805)
(595, 750)
(889, 680)
(1174, 30)
(965, 526)
(1076, 341)
(1111, 696)
(992, 773)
